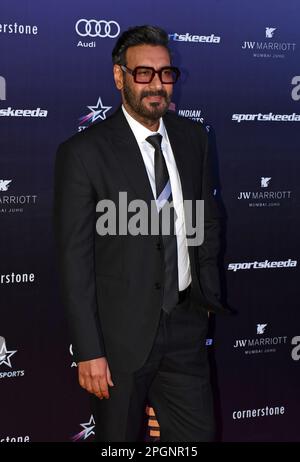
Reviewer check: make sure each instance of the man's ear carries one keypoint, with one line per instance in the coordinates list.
(118, 76)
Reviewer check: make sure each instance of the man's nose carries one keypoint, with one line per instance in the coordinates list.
(155, 82)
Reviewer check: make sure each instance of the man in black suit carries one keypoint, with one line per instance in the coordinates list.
(138, 303)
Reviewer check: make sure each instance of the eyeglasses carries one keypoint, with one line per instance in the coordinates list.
(144, 74)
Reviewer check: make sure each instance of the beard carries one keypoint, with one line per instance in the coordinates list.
(136, 103)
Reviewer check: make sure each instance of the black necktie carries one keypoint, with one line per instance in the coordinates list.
(164, 195)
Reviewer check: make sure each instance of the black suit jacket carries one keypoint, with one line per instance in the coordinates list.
(112, 286)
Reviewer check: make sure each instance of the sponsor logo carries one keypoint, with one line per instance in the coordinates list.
(88, 430)
(2, 88)
(188, 37)
(260, 328)
(194, 114)
(10, 112)
(6, 362)
(296, 90)
(96, 29)
(74, 364)
(17, 278)
(265, 117)
(262, 265)
(264, 198)
(261, 345)
(5, 354)
(264, 181)
(96, 112)
(14, 439)
(270, 48)
(4, 184)
(14, 203)
(18, 29)
(296, 349)
(270, 32)
(267, 411)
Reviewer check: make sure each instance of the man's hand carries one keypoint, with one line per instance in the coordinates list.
(94, 376)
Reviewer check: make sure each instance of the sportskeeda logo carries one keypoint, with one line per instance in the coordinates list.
(270, 117)
(10, 112)
(266, 264)
(188, 37)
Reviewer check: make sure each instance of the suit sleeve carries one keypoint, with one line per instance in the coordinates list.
(209, 250)
(74, 229)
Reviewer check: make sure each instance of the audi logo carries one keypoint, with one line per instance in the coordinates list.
(93, 28)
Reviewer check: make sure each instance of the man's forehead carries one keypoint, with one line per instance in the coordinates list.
(147, 55)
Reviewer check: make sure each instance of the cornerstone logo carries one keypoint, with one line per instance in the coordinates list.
(265, 198)
(18, 29)
(266, 411)
(269, 48)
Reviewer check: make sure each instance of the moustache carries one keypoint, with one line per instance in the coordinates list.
(162, 93)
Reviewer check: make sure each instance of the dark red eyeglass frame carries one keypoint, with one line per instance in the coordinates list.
(134, 71)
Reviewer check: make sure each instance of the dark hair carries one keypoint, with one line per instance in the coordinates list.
(139, 35)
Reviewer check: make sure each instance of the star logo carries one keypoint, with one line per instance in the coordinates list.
(5, 354)
(88, 430)
(97, 112)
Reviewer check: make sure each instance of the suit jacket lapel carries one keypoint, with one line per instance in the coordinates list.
(128, 153)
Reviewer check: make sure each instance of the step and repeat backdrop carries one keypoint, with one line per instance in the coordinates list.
(240, 63)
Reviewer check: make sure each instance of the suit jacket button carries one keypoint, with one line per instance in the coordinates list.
(157, 285)
(158, 246)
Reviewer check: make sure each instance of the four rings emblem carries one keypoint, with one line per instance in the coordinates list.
(93, 28)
